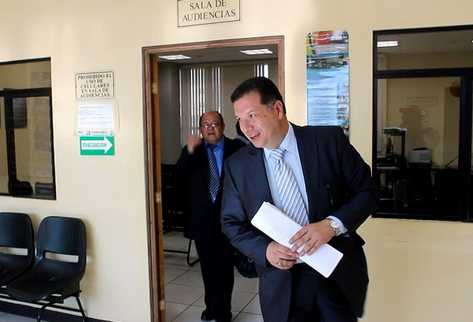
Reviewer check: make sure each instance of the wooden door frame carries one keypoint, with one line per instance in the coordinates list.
(153, 156)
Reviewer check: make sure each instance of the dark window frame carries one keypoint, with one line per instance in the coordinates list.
(8, 95)
(465, 139)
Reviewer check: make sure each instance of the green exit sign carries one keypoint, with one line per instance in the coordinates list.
(97, 145)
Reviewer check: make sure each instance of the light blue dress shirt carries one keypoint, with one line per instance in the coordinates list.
(292, 159)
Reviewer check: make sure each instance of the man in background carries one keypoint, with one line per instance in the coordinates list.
(200, 168)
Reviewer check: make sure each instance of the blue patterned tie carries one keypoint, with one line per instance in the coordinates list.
(291, 198)
(214, 182)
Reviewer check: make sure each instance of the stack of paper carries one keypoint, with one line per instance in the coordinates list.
(280, 228)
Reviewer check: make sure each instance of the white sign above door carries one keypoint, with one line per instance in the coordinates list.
(191, 12)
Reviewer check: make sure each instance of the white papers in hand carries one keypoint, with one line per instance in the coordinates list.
(279, 227)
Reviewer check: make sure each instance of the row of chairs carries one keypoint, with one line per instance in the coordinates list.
(42, 277)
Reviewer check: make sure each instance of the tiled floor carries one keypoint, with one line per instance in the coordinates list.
(4, 317)
(184, 288)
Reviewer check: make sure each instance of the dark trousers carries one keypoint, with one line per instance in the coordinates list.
(317, 299)
(217, 273)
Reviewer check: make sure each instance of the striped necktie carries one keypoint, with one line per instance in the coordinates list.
(290, 196)
(214, 182)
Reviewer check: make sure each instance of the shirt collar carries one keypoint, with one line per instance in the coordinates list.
(218, 145)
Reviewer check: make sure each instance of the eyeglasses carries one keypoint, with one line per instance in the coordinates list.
(210, 125)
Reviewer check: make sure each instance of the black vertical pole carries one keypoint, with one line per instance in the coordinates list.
(464, 153)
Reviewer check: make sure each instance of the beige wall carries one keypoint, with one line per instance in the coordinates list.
(25, 75)
(425, 106)
(429, 60)
(420, 271)
(420, 105)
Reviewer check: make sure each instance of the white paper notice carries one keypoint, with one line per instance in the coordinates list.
(95, 118)
(279, 227)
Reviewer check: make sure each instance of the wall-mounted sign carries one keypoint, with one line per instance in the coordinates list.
(191, 13)
(328, 79)
(97, 145)
(95, 118)
(94, 85)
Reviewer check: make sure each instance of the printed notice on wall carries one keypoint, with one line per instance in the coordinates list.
(95, 119)
(328, 79)
(191, 13)
(94, 85)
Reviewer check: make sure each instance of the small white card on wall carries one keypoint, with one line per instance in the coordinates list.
(95, 118)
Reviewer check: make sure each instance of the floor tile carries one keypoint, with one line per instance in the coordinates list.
(6, 317)
(199, 302)
(244, 284)
(253, 307)
(184, 289)
(241, 299)
(246, 317)
(195, 267)
(191, 314)
(173, 310)
(191, 279)
(171, 273)
(175, 260)
(182, 294)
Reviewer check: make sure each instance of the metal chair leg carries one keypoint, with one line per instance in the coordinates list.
(189, 255)
(40, 312)
(84, 317)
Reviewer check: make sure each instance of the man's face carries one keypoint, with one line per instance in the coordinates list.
(211, 128)
(263, 125)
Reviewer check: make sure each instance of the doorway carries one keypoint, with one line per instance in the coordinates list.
(203, 65)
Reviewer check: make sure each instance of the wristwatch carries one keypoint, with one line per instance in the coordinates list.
(335, 225)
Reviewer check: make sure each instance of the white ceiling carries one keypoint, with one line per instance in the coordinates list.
(220, 55)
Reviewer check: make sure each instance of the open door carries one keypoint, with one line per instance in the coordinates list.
(153, 155)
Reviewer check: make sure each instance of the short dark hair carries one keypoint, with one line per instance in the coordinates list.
(219, 116)
(268, 91)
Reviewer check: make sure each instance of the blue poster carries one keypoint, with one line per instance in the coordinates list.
(328, 79)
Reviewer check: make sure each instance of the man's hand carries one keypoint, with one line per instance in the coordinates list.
(193, 141)
(280, 256)
(312, 236)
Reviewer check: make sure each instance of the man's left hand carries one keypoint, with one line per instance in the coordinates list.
(312, 236)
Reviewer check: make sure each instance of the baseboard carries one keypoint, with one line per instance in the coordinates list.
(31, 311)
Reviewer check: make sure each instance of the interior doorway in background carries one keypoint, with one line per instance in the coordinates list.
(180, 83)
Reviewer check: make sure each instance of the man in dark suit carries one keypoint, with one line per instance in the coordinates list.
(200, 167)
(317, 178)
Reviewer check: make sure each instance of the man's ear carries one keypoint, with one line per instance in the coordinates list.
(278, 106)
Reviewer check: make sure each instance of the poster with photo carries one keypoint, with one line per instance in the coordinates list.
(328, 79)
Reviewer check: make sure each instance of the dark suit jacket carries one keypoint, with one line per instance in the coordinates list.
(194, 175)
(338, 183)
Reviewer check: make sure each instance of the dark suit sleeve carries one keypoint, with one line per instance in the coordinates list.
(236, 225)
(185, 165)
(361, 201)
